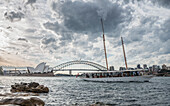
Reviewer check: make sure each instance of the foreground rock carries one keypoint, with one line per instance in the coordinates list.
(23, 102)
(102, 104)
(29, 87)
(17, 95)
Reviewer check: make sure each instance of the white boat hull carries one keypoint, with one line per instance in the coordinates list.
(144, 78)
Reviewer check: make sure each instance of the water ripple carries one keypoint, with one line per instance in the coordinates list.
(71, 91)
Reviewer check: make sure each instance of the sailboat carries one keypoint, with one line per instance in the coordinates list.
(116, 76)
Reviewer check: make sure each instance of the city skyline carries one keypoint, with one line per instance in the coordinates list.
(54, 32)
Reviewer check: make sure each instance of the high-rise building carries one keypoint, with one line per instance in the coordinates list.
(155, 68)
(150, 69)
(145, 66)
(164, 67)
(138, 66)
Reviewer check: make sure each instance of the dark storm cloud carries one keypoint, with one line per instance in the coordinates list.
(49, 45)
(30, 2)
(84, 17)
(66, 35)
(164, 3)
(56, 27)
(14, 16)
(164, 31)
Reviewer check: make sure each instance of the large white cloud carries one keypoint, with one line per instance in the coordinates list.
(58, 31)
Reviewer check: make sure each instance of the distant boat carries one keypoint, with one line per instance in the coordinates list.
(116, 76)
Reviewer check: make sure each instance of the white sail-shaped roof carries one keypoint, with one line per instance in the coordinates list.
(31, 69)
(46, 69)
(40, 67)
(50, 69)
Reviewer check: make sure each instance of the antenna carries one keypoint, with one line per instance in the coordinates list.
(124, 53)
(104, 44)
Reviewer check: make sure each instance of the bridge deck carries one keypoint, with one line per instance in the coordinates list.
(79, 70)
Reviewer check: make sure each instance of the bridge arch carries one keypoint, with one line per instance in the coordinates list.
(66, 64)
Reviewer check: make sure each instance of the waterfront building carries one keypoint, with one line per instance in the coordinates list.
(168, 68)
(145, 66)
(111, 68)
(138, 66)
(40, 68)
(122, 68)
(129, 68)
(1, 70)
(150, 68)
(164, 67)
(155, 68)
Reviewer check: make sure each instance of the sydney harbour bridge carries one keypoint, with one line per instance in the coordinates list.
(92, 66)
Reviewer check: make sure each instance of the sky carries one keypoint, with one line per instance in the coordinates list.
(57, 31)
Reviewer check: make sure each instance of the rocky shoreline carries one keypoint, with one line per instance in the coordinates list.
(25, 89)
(29, 87)
(33, 101)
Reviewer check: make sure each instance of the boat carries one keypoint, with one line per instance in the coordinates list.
(116, 76)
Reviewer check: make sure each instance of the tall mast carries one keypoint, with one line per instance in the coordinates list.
(124, 53)
(104, 44)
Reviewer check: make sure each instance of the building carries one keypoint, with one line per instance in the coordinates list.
(129, 68)
(1, 71)
(155, 68)
(165, 67)
(122, 68)
(168, 68)
(145, 66)
(111, 68)
(150, 68)
(40, 68)
(138, 66)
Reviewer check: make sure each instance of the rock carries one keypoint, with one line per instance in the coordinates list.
(37, 101)
(45, 90)
(101, 104)
(23, 102)
(29, 87)
(20, 94)
(16, 101)
(33, 84)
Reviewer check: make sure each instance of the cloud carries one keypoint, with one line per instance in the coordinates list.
(14, 16)
(23, 39)
(67, 30)
(3, 60)
(164, 31)
(30, 2)
(46, 41)
(164, 3)
(84, 17)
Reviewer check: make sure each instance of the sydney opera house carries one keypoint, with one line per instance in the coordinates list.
(40, 70)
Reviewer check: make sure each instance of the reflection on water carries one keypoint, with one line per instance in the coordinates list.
(70, 91)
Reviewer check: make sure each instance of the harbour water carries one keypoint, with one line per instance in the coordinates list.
(72, 91)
